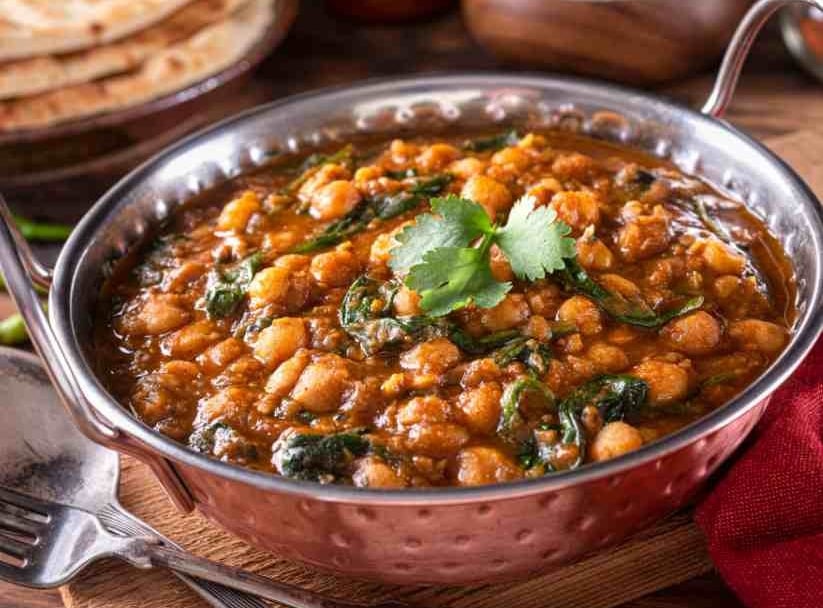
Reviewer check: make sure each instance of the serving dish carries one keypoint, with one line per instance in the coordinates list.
(456, 535)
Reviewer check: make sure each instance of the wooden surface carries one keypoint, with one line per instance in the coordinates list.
(776, 102)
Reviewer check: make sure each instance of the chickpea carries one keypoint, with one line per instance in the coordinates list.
(607, 358)
(437, 439)
(434, 356)
(278, 241)
(668, 382)
(481, 465)
(334, 200)
(280, 340)
(512, 158)
(621, 285)
(720, 258)
(236, 214)
(228, 403)
(367, 174)
(406, 302)
(697, 333)
(500, 266)
(757, 335)
(269, 286)
(158, 314)
(293, 262)
(577, 208)
(286, 375)
(186, 371)
(593, 253)
(322, 384)
(402, 151)
(644, 236)
(532, 141)
(220, 355)
(371, 472)
(424, 409)
(189, 341)
(583, 313)
(481, 408)
(467, 167)
(322, 176)
(437, 156)
(493, 196)
(544, 298)
(545, 189)
(615, 439)
(381, 247)
(512, 311)
(336, 268)
(538, 328)
(727, 286)
(574, 166)
(179, 279)
(479, 371)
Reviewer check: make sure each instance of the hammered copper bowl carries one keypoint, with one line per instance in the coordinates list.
(443, 536)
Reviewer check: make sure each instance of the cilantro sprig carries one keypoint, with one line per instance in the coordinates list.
(446, 253)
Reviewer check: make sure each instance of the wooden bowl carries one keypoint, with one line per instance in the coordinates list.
(641, 42)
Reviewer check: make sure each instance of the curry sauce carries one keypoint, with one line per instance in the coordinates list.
(273, 324)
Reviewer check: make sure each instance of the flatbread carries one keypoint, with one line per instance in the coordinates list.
(39, 27)
(47, 73)
(211, 50)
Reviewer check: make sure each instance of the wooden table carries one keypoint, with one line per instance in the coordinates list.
(775, 98)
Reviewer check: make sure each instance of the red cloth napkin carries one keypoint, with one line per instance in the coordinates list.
(764, 519)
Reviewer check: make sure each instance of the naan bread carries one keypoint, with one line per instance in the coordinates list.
(47, 73)
(209, 51)
(38, 27)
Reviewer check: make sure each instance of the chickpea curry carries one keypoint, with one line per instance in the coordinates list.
(444, 311)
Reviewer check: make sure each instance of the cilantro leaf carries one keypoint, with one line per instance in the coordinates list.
(453, 277)
(458, 221)
(534, 241)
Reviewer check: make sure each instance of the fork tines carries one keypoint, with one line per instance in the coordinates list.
(21, 519)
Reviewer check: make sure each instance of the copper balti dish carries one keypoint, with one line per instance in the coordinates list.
(456, 535)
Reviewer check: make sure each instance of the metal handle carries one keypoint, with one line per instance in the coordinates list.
(119, 521)
(735, 57)
(21, 271)
(243, 580)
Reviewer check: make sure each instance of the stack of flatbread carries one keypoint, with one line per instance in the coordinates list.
(62, 60)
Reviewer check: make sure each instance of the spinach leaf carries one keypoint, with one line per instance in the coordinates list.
(495, 142)
(366, 315)
(634, 311)
(510, 416)
(382, 207)
(614, 396)
(323, 458)
(204, 438)
(227, 288)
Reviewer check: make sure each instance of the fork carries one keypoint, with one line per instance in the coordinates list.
(45, 544)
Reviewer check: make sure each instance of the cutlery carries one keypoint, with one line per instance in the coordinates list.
(50, 543)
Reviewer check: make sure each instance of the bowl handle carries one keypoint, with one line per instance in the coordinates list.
(22, 272)
(735, 57)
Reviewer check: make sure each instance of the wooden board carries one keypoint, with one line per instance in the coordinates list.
(672, 552)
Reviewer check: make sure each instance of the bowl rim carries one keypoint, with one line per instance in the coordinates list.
(758, 392)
